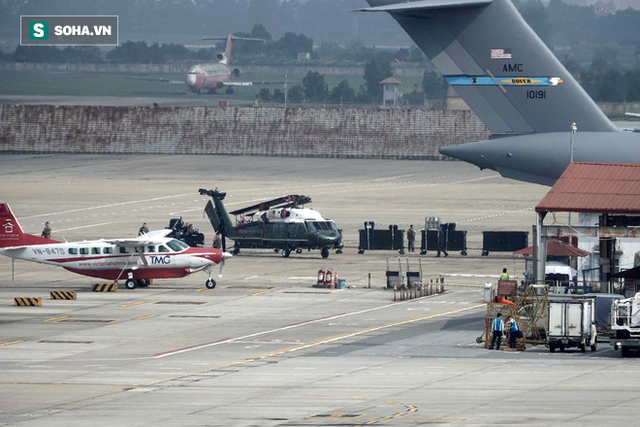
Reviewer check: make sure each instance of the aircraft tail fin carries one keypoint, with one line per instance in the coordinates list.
(210, 210)
(225, 58)
(11, 233)
(497, 64)
(217, 213)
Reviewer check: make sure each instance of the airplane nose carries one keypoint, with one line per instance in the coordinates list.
(226, 255)
(191, 80)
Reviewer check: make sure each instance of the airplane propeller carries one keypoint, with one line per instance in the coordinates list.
(224, 256)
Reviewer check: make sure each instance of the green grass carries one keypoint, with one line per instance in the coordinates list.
(36, 82)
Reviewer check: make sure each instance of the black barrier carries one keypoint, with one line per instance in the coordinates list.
(456, 240)
(503, 241)
(376, 240)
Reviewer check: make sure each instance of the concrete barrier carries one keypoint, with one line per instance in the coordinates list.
(105, 287)
(69, 295)
(28, 302)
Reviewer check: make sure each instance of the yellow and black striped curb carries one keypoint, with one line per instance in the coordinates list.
(105, 287)
(28, 302)
(63, 295)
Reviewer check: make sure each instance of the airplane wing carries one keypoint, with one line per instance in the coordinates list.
(632, 114)
(150, 238)
(173, 82)
(251, 83)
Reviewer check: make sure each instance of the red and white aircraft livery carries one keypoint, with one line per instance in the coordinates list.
(150, 256)
(214, 75)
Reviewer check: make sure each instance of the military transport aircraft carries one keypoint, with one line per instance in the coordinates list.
(279, 224)
(515, 85)
(149, 256)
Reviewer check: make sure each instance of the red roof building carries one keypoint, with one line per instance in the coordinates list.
(556, 248)
(595, 188)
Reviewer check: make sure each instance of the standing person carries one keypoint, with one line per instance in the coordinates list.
(217, 242)
(442, 241)
(513, 331)
(504, 275)
(46, 231)
(411, 239)
(143, 229)
(497, 328)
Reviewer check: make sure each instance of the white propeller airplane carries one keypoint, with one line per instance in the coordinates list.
(150, 256)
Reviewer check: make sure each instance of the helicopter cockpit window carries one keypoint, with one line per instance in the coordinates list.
(322, 225)
(177, 245)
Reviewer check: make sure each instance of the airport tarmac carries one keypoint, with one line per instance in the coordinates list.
(265, 348)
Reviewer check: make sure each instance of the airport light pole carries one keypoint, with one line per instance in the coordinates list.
(285, 91)
(574, 128)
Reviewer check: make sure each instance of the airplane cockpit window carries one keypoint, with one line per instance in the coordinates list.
(124, 250)
(177, 245)
(107, 250)
(73, 251)
(151, 248)
(163, 248)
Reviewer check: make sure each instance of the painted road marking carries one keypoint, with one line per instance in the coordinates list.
(133, 303)
(10, 343)
(145, 317)
(317, 342)
(53, 319)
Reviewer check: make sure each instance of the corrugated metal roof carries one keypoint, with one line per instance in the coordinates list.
(596, 188)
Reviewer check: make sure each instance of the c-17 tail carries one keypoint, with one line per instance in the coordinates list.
(514, 84)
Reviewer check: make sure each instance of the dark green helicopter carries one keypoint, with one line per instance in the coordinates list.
(279, 224)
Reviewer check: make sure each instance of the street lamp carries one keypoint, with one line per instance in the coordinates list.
(574, 128)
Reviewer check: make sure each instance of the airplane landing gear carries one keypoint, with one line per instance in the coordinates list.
(210, 283)
(136, 283)
(286, 252)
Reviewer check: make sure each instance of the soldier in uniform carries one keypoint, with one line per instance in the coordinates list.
(46, 231)
(442, 241)
(411, 239)
(143, 229)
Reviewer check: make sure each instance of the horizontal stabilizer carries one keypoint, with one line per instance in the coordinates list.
(409, 8)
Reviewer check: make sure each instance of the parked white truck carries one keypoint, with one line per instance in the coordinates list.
(571, 323)
(625, 322)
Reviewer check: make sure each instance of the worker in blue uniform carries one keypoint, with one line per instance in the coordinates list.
(497, 328)
(514, 331)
